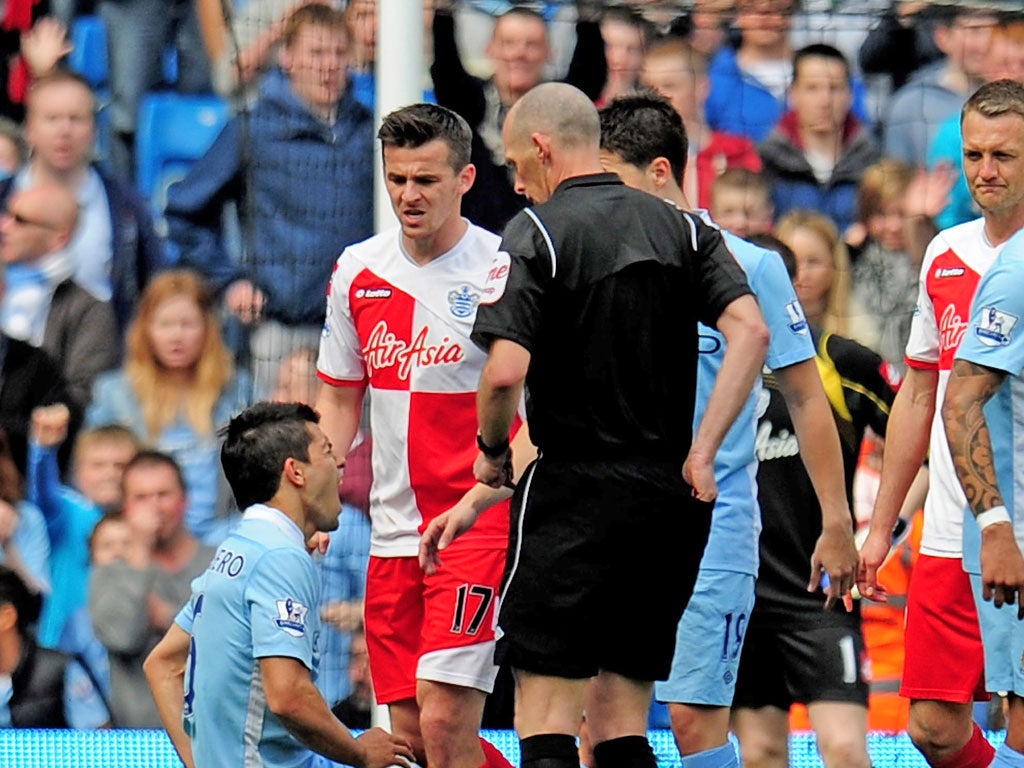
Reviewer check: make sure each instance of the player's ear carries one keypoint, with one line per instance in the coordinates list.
(294, 472)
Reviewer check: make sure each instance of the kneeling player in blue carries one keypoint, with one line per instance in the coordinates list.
(233, 678)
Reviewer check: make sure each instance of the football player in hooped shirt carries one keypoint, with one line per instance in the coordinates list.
(400, 310)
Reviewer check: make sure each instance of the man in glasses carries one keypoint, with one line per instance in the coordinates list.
(43, 305)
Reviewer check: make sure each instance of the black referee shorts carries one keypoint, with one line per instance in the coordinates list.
(602, 560)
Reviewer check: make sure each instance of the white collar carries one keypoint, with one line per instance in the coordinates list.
(276, 517)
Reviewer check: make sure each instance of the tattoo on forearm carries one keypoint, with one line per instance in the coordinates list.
(970, 442)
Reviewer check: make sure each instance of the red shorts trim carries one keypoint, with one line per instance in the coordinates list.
(944, 656)
(410, 614)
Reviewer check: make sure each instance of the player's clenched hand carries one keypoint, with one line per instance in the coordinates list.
(835, 554)
(872, 555)
(699, 472)
(494, 472)
(442, 531)
(1002, 567)
(381, 749)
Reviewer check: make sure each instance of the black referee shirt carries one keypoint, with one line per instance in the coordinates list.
(605, 289)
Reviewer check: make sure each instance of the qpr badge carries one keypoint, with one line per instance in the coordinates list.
(291, 617)
(463, 302)
(995, 326)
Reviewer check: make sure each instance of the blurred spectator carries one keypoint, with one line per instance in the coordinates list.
(815, 157)
(39, 687)
(24, 547)
(901, 43)
(297, 381)
(823, 279)
(625, 35)
(1005, 60)
(110, 541)
(100, 456)
(361, 17)
(138, 34)
(132, 603)
(177, 387)
(242, 53)
(741, 202)
(356, 709)
(13, 150)
(519, 50)
(28, 379)
(939, 89)
(31, 45)
(705, 27)
(677, 72)
(749, 84)
(43, 304)
(115, 249)
(893, 201)
(301, 168)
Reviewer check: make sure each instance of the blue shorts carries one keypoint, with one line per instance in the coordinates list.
(709, 639)
(1002, 635)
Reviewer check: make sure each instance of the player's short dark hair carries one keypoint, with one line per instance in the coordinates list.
(819, 51)
(14, 591)
(257, 442)
(419, 124)
(772, 243)
(150, 458)
(642, 126)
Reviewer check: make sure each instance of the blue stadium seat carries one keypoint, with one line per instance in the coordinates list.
(174, 130)
(89, 56)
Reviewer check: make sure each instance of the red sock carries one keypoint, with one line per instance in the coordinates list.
(976, 753)
(493, 757)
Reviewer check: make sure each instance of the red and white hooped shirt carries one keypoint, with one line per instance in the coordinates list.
(956, 260)
(403, 330)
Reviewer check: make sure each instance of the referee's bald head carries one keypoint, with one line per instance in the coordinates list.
(559, 111)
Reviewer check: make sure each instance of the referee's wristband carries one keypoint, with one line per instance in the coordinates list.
(492, 451)
(993, 516)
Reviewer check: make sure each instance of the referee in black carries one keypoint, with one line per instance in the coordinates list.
(598, 319)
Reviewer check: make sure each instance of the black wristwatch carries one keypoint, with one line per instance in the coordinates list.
(492, 451)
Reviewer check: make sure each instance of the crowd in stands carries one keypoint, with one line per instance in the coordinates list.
(119, 362)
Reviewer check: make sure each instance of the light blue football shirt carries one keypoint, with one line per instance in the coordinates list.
(736, 521)
(995, 339)
(258, 598)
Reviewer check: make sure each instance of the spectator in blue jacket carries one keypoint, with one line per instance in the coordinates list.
(100, 456)
(115, 249)
(301, 167)
(815, 157)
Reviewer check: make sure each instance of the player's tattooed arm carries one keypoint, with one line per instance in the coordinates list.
(970, 443)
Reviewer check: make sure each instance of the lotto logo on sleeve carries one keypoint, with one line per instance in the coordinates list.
(994, 327)
(291, 617)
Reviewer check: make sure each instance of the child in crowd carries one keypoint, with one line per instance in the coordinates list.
(741, 202)
(111, 539)
(100, 456)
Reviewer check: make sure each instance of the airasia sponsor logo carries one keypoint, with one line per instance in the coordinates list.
(385, 350)
(952, 328)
